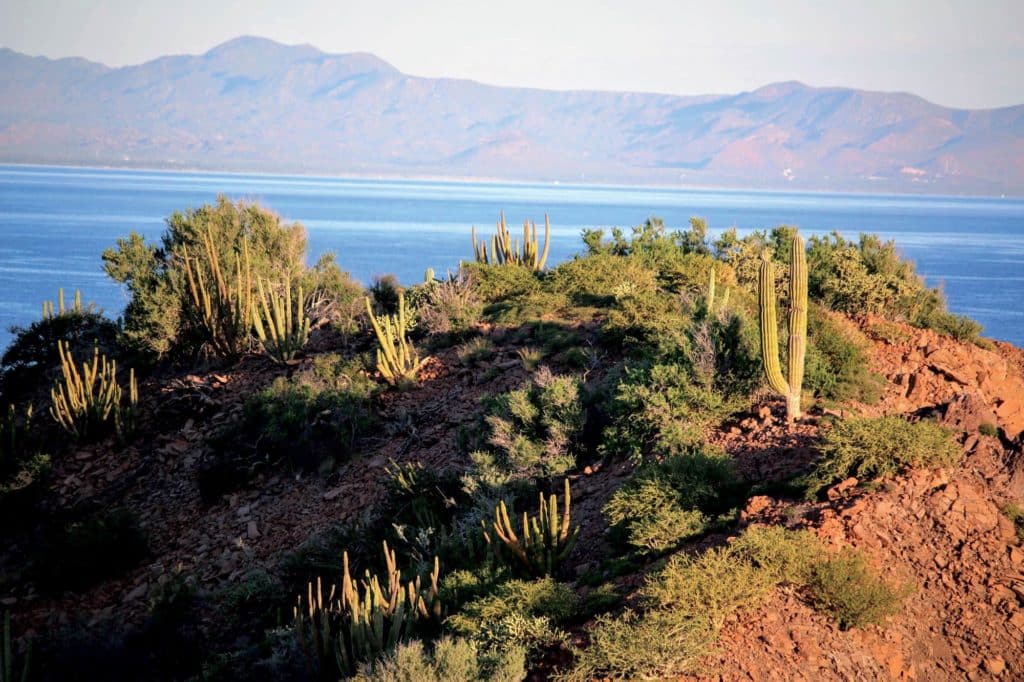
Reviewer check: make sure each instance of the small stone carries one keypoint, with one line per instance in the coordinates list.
(252, 531)
(332, 494)
(138, 592)
(994, 665)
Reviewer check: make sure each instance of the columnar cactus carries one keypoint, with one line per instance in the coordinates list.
(281, 323)
(397, 359)
(361, 620)
(790, 388)
(226, 309)
(505, 251)
(546, 538)
(85, 400)
(48, 310)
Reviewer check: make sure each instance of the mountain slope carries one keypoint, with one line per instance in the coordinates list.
(253, 104)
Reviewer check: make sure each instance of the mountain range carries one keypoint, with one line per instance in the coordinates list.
(252, 104)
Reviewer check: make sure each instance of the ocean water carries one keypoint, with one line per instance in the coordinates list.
(56, 221)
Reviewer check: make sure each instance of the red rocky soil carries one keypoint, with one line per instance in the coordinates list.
(941, 531)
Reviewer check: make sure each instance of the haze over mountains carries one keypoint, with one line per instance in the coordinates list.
(255, 105)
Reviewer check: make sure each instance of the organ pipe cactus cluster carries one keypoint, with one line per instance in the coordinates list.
(361, 620)
(505, 251)
(225, 308)
(48, 310)
(281, 322)
(790, 387)
(397, 359)
(546, 538)
(85, 401)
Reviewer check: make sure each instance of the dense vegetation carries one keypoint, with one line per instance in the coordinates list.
(631, 352)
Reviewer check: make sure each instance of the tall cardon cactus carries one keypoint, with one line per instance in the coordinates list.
(789, 387)
(506, 251)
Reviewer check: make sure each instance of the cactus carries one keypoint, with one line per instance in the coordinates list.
(505, 251)
(397, 359)
(546, 539)
(225, 312)
(7, 655)
(789, 388)
(281, 323)
(361, 620)
(48, 311)
(83, 402)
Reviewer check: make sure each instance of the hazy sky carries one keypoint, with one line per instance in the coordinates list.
(956, 52)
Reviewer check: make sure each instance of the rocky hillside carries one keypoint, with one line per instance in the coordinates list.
(878, 536)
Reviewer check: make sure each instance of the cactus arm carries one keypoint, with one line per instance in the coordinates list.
(797, 324)
(769, 326)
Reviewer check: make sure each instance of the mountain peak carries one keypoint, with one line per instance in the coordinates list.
(252, 46)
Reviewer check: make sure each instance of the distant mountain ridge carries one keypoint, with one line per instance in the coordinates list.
(252, 104)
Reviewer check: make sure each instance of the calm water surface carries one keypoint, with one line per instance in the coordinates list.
(55, 223)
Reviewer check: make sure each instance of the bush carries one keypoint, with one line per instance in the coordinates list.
(600, 279)
(648, 324)
(333, 297)
(836, 366)
(313, 419)
(493, 283)
(32, 358)
(451, 307)
(875, 447)
(475, 350)
(845, 587)
(1015, 512)
(80, 554)
(534, 432)
(160, 317)
(518, 613)
(988, 429)
(454, 659)
(672, 501)
(22, 467)
(660, 411)
(788, 556)
(682, 608)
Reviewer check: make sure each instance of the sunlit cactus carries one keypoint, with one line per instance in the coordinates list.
(397, 359)
(281, 322)
(506, 251)
(546, 539)
(225, 309)
(790, 388)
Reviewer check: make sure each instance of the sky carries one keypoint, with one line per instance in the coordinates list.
(961, 53)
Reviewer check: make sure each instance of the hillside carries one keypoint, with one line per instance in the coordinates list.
(255, 105)
(872, 537)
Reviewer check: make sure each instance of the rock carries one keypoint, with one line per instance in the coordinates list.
(994, 665)
(252, 531)
(333, 494)
(837, 491)
(138, 593)
(967, 412)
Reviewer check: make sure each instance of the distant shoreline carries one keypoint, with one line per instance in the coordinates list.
(483, 180)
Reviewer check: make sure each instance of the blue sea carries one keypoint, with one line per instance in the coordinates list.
(56, 221)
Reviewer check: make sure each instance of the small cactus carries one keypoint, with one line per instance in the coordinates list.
(85, 401)
(789, 388)
(546, 538)
(224, 309)
(48, 310)
(397, 359)
(281, 323)
(505, 251)
(361, 620)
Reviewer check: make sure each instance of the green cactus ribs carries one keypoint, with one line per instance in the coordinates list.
(546, 538)
(790, 388)
(506, 251)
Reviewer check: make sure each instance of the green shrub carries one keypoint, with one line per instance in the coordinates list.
(845, 587)
(475, 350)
(598, 280)
(875, 447)
(451, 307)
(22, 466)
(257, 601)
(536, 606)
(786, 555)
(333, 297)
(660, 411)
(313, 419)
(160, 317)
(450, 660)
(647, 324)
(534, 431)
(529, 307)
(32, 358)
(960, 327)
(837, 367)
(80, 554)
(988, 429)
(496, 284)
(890, 332)
(673, 500)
